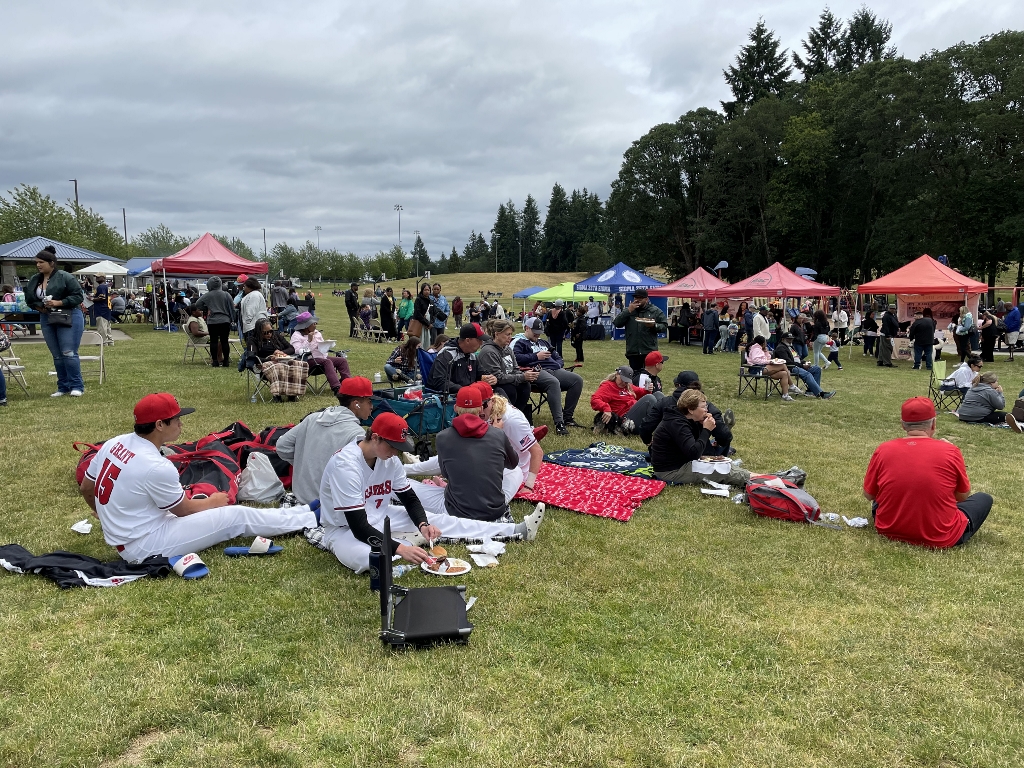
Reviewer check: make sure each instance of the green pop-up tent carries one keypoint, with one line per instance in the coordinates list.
(564, 292)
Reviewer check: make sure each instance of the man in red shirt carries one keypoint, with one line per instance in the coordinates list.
(919, 485)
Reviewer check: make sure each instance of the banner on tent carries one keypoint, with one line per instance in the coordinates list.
(944, 306)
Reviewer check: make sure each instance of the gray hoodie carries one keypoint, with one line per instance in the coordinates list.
(979, 402)
(309, 445)
(499, 362)
(217, 302)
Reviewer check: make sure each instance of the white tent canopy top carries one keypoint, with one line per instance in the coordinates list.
(102, 268)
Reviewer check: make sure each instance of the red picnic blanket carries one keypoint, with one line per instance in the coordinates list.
(604, 494)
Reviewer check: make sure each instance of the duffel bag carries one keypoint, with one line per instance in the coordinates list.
(206, 470)
(88, 450)
(281, 467)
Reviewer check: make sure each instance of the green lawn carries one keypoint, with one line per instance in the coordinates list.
(694, 635)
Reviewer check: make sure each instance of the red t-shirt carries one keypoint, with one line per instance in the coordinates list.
(914, 480)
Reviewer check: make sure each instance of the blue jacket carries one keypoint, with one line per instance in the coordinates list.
(1012, 319)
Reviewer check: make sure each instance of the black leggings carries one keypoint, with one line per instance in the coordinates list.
(996, 417)
(578, 346)
(220, 348)
(975, 508)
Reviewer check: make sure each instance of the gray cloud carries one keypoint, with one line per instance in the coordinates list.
(233, 116)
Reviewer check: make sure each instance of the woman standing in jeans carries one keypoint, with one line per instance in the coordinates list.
(820, 334)
(53, 289)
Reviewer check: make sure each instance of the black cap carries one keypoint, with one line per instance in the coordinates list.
(686, 377)
(640, 293)
(787, 335)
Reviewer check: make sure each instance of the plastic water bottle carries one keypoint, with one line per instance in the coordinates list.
(376, 377)
(400, 570)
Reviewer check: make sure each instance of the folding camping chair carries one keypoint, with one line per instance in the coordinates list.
(538, 397)
(943, 398)
(256, 387)
(419, 617)
(751, 381)
(12, 369)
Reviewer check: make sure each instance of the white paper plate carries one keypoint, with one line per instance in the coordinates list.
(451, 561)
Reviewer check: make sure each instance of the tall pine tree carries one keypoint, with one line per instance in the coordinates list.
(531, 234)
(825, 47)
(760, 70)
(556, 250)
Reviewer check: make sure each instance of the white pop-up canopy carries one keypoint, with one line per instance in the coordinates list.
(102, 268)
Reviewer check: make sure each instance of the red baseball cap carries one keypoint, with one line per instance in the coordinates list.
(241, 278)
(469, 397)
(471, 331)
(655, 357)
(357, 386)
(161, 406)
(486, 392)
(917, 409)
(393, 430)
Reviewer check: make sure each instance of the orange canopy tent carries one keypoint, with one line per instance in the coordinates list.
(699, 284)
(924, 275)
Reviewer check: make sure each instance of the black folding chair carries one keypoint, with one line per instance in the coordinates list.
(420, 617)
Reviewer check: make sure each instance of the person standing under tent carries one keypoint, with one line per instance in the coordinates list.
(890, 328)
(220, 308)
(593, 311)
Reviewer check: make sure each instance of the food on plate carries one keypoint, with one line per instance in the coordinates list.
(439, 552)
(444, 565)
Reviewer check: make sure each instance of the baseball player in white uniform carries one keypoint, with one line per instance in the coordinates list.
(136, 494)
(519, 432)
(356, 493)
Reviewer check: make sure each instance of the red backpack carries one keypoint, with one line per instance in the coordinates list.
(88, 450)
(790, 503)
(205, 469)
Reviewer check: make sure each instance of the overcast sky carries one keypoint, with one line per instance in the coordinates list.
(233, 116)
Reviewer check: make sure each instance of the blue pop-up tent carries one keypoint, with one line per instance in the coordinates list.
(619, 279)
(527, 293)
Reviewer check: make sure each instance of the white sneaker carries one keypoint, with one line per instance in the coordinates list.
(1011, 420)
(76, 393)
(827, 365)
(795, 390)
(787, 398)
(58, 393)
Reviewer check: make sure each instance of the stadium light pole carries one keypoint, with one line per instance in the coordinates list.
(318, 228)
(494, 240)
(75, 182)
(416, 256)
(399, 209)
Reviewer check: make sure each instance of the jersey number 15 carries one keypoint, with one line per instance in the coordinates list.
(105, 481)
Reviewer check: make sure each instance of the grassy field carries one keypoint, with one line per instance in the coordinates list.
(696, 635)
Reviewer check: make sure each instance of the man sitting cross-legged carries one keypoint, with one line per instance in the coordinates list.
(532, 351)
(919, 486)
(495, 410)
(683, 438)
(721, 435)
(356, 492)
(810, 375)
(309, 445)
(135, 492)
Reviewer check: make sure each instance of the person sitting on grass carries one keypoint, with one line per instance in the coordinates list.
(721, 435)
(310, 444)
(362, 477)
(620, 406)
(648, 379)
(684, 437)
(809, 374)
(438, 343)
(759, 360)
(984, 402)
(306, 341)
(918, 485)
(137, 495)
(403, 363)
(285, 375)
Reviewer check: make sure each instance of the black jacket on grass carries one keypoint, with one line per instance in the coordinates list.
(678, 441)
(721, 432)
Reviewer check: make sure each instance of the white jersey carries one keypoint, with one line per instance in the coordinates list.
(136, 486)
(519, 432)
(349, 483)
(593, 309)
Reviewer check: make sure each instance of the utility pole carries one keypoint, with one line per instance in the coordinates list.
(521, 254)
(264, 243)
(399, 209)
(494, 240)
(124, 216)
(318, 228)
(416, 256)
(75, 181)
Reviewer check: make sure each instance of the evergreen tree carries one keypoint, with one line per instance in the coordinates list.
(531, 234)
(825, 47)
(556, 250)
(454, 262)
(760, 70)
(867, 39)
(420, 256)
(506, 229)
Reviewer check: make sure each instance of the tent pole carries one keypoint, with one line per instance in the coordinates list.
(167, 301)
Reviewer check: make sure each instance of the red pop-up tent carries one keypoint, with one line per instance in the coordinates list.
(206, 256)
(699, 284)
(779, 282)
